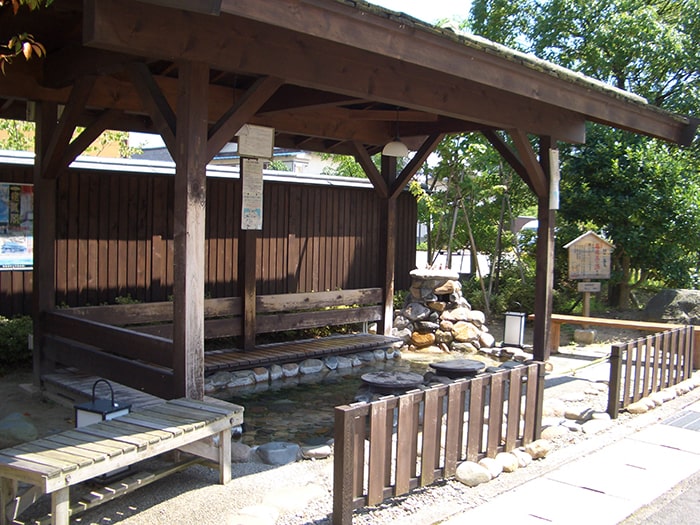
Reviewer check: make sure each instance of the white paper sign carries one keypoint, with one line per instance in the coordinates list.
(255, 141)
(252, 187)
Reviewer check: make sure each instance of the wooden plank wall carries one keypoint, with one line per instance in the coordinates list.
(114, 239)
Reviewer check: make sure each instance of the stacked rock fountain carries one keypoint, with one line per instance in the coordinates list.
(436, 317)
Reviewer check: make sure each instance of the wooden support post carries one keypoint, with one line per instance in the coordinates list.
(44, 288)
(247, 249)
(544, 273)
(189, 230)
(388, 245)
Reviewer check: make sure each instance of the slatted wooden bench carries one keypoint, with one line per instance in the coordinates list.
(53, 464)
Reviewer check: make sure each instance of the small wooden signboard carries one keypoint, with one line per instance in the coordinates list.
(589, 258)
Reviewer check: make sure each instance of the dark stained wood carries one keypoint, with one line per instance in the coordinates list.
(45, 253)
(416, 162)
(111, 339)
(188, 234)
(377, 460)
(54, 162)
(279, 353)
(152, 379)
(544, 263)
(513, 415)
(240, 113)
(442, 407)
(495, 420)
(535, 175)
(431, 435)
(155, 103)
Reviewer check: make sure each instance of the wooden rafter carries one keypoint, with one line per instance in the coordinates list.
(364, 159)
(155, 103)
(415, 163)
(118, 27)
(536, 178)
(509, 156)
(55, 153)
(240, 113)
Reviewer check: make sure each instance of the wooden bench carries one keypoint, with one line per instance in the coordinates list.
(644, 326)
(53, 464)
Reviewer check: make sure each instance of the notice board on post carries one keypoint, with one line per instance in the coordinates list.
(589, 257)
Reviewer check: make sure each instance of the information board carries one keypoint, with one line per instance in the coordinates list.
(16, 226)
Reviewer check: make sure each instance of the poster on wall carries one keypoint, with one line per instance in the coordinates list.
(16, 226)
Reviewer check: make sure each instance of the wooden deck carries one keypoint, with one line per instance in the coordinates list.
(280, 353)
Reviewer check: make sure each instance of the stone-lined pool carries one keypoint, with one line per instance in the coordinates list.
(300, 409)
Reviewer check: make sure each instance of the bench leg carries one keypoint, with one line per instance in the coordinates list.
(60, 506)
(8, 493)
(225, 456)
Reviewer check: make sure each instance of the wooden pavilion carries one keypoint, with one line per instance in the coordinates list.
(338, 76)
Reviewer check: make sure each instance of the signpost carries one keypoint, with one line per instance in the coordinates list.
(589, 258)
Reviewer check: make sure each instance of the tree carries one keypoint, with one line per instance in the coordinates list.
(637, 191)
(21, 44)
(468, 201)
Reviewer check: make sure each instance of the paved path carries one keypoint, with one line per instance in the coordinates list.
(607, 486)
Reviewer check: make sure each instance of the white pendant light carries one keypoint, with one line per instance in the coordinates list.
(395, 148)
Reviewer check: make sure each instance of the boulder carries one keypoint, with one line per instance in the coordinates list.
(674, 306)
(16, 428)
(472, 474)
(279, 453)
(465, 332)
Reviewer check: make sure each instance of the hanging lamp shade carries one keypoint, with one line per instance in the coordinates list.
(395, 148)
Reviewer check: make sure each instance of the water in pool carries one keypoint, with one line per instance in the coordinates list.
(301, 409)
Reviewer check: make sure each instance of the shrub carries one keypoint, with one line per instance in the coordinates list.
(14, 352)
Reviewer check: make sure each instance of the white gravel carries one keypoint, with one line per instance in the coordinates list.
(301, 493)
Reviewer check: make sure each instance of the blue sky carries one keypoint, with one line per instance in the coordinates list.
(428, 10)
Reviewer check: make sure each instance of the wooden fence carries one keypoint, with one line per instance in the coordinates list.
(648, 364)
(115, 239)
(421, 436)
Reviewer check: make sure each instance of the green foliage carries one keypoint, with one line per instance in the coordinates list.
(14, 352)
(345, 166)
(19, 135)
(126, 299)
(277, 165)
(637, 192)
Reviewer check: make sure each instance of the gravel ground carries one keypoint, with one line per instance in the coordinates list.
(193, 496)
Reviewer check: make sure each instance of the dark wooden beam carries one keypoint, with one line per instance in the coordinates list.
(240, 113)
(544, 260)
(155, 103)
(189, 230)
(62, 67)
(364, 159)
(52, 165)
(91, 133)
(44, 285)
(388, 246)
(415, 164)
(509, 156)
(533, 169)
(250, 46)
(444, 52)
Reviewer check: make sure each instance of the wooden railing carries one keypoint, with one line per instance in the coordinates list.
(421, 436)
(648, 364)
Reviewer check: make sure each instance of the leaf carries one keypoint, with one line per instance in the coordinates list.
(27, 50)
